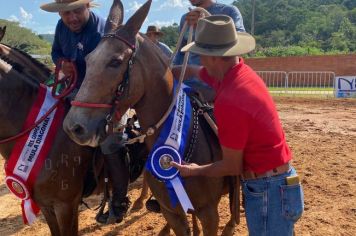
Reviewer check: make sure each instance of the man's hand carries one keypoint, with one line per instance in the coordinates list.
(231, 164)
(67, 68)
(192, 18)
(190, 169)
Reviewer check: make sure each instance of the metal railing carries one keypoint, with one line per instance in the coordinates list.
(320, 83)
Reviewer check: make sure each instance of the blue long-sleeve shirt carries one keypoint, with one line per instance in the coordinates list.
(75, 46)
(165, 49)
(214, 9)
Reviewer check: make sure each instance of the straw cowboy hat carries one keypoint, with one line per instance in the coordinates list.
(64, 5)
(153, 29)
(216, 36)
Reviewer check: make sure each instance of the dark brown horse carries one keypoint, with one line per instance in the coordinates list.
(59, 185)
(149, 90)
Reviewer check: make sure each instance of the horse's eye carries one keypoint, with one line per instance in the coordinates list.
(115, 63)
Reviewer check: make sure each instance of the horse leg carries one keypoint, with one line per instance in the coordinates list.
(144, 193)
(67, 216)
(178, 223)
(51, 220)
(196, 229)
(229, 228)
(209, 219)
(166, 230)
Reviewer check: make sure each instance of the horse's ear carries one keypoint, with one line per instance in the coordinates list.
(2, 32)
(135, 22)
(115, 17)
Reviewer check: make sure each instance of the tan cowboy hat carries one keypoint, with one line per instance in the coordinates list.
(216, 36)
(65, 5)
(153, 29)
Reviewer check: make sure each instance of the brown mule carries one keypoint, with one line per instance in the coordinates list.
(127, 59)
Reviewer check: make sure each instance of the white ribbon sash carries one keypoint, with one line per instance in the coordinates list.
(31, 150)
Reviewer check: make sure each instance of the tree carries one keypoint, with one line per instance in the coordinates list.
(171, 34)
(328, 25)
(24, 39)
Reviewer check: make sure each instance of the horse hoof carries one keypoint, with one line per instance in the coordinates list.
(102, 218)
(153, 206)
(107, 219)
(138, 205)
(228, 230)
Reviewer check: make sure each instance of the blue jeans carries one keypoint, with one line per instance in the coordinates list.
(272, 207)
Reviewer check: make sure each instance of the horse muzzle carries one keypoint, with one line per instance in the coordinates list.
(83, 131)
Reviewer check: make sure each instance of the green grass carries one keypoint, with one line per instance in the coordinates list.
(301, 89)
(327, 92)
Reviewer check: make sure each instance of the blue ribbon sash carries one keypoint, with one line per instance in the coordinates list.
(170, 146)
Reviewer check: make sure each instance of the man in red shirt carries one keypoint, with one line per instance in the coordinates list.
(249, 130)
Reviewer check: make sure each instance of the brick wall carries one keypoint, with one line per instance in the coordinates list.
(340, 64)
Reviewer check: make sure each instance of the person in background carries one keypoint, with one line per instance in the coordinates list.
(77, 33)
(192, 18)
(250, 133)
(154, 34)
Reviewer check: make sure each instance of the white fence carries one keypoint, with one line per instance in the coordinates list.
(299, 82)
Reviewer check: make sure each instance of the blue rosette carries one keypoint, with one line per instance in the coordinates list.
(170, 146)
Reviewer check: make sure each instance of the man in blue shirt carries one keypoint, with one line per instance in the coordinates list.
(154, 34)
(78, 32)
(192, 18)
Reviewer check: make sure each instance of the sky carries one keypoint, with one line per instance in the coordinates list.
(29, 14)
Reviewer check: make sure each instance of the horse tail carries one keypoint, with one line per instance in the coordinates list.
(234, 201)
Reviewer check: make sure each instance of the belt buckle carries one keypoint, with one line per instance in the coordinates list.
(269, 173)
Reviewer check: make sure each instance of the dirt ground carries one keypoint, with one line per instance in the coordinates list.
(322, 136)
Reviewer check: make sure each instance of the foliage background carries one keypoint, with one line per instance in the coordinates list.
(295, 27)
(281, 28)
(24, 39)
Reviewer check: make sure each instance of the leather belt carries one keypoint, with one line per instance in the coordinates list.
(248, 175)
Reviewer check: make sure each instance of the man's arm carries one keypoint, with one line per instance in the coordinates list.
(167, 51)
(231, 164)
(236, 16)
(191, 71)
(56, 47)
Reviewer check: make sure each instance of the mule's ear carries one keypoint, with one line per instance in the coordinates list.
(135, 22)
(115, 18)
(2, 32)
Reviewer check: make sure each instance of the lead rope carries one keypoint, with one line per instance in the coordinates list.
(151, 130)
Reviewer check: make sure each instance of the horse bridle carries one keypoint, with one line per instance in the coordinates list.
(121, 88)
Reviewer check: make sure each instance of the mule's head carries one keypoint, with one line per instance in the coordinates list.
(109, 67)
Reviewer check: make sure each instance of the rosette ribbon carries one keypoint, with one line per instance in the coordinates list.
(170, 146)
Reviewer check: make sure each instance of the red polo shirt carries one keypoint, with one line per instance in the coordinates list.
(247, 118)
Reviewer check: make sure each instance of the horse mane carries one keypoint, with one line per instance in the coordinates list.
(19, 67)
(13, 64)
(9, 68)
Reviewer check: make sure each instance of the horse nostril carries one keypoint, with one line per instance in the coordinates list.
(78, 130)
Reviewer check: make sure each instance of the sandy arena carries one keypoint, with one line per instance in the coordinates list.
(322, 136)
